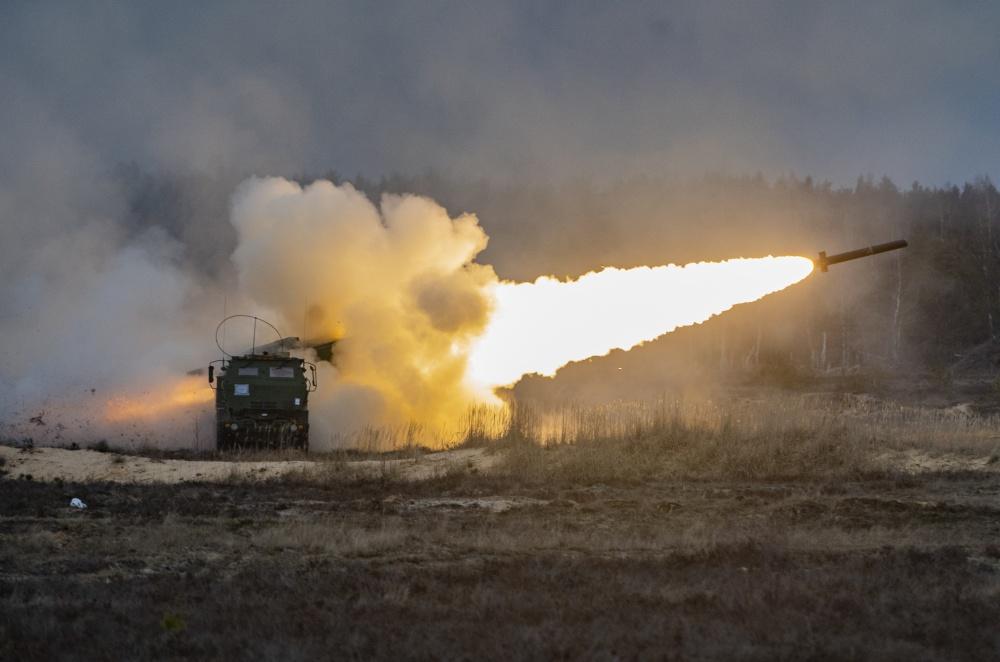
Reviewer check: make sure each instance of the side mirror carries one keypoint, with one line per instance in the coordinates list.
(211, 374)
(313, 369)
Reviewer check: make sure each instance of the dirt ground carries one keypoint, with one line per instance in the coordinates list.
(466, 563)
(61, 464)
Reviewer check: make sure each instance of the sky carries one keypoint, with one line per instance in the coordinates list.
(503, 90)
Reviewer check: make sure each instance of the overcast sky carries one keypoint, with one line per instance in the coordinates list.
(506, 90)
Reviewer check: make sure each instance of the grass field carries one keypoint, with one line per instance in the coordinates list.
(785, 528)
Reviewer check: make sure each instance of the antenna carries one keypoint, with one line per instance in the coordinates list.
(225, 314)
(255, 319)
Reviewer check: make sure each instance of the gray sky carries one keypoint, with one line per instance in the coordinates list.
(504, 90)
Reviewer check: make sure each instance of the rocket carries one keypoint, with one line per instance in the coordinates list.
(824, 261)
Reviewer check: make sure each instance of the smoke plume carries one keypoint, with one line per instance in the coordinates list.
(396, 285)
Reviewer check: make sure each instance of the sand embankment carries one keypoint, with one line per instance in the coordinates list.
(50, 464)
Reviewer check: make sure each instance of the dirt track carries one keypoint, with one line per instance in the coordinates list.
(80, 466)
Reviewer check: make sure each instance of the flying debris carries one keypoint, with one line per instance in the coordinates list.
(824, 261)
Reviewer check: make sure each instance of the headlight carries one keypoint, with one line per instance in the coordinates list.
(233, 426)
(293, 427)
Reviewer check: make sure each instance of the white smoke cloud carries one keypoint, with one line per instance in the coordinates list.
(93, 320)
(91, 309)
(396, 284)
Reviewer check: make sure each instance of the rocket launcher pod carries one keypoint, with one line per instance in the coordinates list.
(824, 261)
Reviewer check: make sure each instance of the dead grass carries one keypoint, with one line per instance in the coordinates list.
(783, 437)
(335, 538)
(835, 570)
(730, 529)
(881, 422)
(691, 454)
(739, 442)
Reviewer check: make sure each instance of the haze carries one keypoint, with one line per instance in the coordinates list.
(507, 90)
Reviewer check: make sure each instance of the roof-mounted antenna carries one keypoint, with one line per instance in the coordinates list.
(255, 319)
(225, 315)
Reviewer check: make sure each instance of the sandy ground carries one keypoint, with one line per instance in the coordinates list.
(52, 464)
(81, 466)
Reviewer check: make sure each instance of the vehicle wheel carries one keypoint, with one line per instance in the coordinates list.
(223, 442)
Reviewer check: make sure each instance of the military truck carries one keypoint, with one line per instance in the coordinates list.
(262, 398)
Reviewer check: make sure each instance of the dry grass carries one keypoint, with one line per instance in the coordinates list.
(774, 438)
(331, 537)
(785, 418)
(700, 529)
(839, 570)
(883, 423)
(693, 451)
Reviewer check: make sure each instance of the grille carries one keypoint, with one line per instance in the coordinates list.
(263, 404)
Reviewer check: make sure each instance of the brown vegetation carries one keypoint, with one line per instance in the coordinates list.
(774, 528)
(891, 568)
(782, 437)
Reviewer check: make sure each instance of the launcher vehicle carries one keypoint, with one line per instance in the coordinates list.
(262, 396)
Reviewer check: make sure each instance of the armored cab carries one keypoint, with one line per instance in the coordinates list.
(261, 401)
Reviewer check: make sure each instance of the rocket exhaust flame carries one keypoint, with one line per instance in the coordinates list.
(539, 327)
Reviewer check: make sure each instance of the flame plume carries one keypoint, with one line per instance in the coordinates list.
(539, 327)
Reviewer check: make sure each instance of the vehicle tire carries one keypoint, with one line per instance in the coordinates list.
(223, 442)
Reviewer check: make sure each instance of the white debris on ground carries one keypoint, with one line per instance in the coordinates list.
(51, 464)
